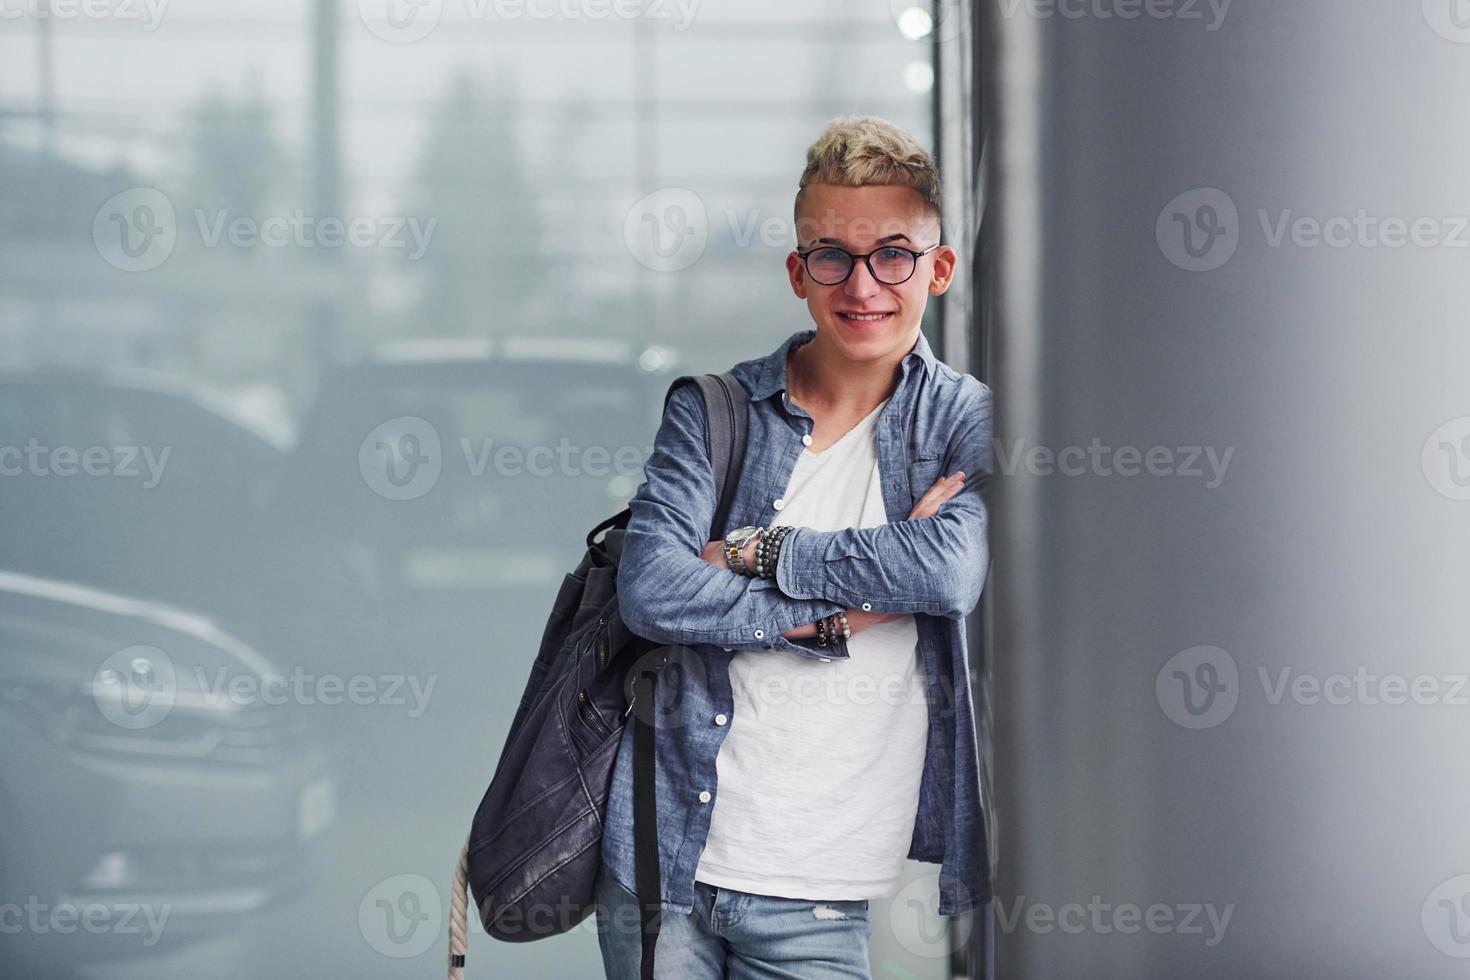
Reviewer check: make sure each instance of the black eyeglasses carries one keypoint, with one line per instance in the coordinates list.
(890, 265)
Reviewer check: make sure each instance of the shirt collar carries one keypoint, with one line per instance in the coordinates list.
(770, 374)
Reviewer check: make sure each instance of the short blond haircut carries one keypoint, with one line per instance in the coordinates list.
(854, 151)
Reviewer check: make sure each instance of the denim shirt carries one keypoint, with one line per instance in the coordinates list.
(936, 421)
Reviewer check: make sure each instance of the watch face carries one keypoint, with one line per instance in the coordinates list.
(742, 534)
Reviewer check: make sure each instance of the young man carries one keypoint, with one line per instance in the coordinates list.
(814, 725)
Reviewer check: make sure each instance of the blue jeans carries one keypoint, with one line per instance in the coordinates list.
(736, 935)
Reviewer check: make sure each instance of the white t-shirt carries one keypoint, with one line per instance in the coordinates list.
(818, 778)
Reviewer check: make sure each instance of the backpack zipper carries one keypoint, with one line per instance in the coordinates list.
(590, 715)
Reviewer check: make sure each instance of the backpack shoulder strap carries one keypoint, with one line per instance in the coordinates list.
(726, 413)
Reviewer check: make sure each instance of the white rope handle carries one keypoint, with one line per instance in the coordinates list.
(459, 914)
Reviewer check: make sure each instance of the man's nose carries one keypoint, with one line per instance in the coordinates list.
(861, 283)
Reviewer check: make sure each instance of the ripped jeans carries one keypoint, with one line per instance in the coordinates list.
(736, 935)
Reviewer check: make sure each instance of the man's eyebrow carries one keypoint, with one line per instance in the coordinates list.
(882, 241)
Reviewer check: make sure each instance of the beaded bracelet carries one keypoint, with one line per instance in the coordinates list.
(822, 632)
(846, 630)
(768, 556)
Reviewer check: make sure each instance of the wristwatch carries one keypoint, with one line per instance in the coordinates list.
(735, 545)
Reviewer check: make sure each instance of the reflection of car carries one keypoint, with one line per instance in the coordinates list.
(439, 480)
(145, 774)
(133, 480)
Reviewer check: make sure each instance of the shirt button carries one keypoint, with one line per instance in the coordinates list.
(778, 503)
(806, 440)
(704, 796)
(760, 634)
(867, 607)
(721, 718)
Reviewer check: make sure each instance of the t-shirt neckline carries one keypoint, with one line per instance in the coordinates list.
(860, 424)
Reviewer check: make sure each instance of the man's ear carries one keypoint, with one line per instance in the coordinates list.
(946, 262)
(796, 272)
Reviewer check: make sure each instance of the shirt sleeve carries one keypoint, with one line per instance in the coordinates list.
(667, 593)
(935, 565)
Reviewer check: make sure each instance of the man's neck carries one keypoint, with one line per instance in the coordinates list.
(820, 378)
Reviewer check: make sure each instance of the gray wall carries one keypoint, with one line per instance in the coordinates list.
(1330, 823)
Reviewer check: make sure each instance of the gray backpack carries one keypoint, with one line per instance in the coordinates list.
(535, 843)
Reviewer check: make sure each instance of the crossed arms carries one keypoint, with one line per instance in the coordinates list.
(669, 594)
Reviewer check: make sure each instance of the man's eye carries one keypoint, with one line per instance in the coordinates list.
(830, 255)
(889, 254)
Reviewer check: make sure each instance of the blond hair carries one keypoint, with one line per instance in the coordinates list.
(854, 151)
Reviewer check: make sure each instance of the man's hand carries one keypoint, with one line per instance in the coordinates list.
(714, 553)
(943, 488)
